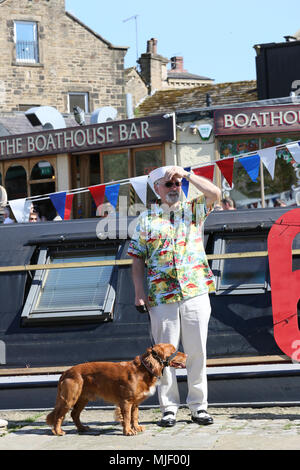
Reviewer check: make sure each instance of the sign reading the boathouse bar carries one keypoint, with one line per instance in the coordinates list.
(257, 120)
(132, 132)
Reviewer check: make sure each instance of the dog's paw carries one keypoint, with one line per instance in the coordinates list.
(83, 428)
(129, 432)
(58, 432)
(139, 428)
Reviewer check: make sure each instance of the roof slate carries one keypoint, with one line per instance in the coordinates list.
(186, 75)
(167, 101)
(15, 123)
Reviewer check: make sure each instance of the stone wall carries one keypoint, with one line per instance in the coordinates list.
(72, 58)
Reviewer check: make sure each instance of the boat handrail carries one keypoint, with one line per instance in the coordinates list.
(124, 262)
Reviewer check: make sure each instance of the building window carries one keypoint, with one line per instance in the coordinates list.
(25, 107)
(240, 275)
(42, 181)
(111, 166)
(286, 177)
(16, 182)
(26, 42)
(116, 166)
(78, 99)
(72, 294)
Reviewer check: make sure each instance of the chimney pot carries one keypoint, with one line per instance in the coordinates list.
(149, 46)
(177, 64)
(154, 43)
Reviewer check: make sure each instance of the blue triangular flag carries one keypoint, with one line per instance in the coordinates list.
(185, 183)
(112, 193)
(59, 202)
(251, 165)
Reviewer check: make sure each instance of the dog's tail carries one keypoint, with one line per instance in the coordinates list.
(50, 419)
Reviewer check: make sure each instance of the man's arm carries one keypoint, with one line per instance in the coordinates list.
(138, 267)
(210, 190)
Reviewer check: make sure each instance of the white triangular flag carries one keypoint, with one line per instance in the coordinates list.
(294, 150)
(20, 209)
(140, 186)
(268, 157)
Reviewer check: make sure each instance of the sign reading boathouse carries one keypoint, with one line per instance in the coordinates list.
(257, 120)
(107, 135)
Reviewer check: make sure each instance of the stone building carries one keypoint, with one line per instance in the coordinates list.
(49, 57)
(153, 75)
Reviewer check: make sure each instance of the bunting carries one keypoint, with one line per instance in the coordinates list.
(139, 184)
(294, 150)
(251, 165)
(268, 157)
(68, 206)
(205, 171)
(186, 183)
(112, 194)
(98, 194)
(63, 201)
(21, 209)
(226, 168)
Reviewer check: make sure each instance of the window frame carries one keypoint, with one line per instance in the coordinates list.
(85, 95)
(217, 266)
(102, 313)
(36, 59)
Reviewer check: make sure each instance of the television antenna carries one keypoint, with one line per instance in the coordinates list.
(134, 17)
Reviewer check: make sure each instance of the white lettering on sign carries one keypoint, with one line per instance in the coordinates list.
(11, 146)
(133, 131)
(262, 119)
(76, 138)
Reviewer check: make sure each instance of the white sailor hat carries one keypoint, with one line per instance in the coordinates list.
(158, 173)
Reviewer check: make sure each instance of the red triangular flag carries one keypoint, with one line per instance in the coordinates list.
(98, 193)
(205, 171)
(226, 167)
(68, 206)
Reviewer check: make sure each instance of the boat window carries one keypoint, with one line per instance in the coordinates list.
(240, 275)
(79, 293)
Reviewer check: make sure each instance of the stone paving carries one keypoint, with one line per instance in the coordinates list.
(271, 428)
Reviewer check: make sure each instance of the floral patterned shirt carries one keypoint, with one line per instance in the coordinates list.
(172, 246)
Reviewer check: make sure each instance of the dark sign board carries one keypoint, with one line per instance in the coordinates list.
(112, 134)
(258, 120)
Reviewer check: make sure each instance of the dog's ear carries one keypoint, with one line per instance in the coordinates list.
(161, 349)
(164, 350)
(148, 352)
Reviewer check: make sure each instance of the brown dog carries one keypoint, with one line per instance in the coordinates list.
(126, 384)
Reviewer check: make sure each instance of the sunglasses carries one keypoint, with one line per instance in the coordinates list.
(169, 184)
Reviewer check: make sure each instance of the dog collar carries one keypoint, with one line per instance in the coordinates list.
(166, 362)
(163, 363)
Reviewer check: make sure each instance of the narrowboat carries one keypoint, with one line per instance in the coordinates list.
(67, 297)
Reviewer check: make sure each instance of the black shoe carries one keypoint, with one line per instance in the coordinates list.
(202, 417)
(168, 420)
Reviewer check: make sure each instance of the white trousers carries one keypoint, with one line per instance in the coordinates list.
(187, 321)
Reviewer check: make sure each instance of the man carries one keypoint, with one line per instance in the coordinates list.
(168, 238)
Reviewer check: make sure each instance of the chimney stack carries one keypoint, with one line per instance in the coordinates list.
(177, 64)
(153, 67)
(152, 46)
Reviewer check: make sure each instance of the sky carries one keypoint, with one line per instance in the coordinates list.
(215, 38)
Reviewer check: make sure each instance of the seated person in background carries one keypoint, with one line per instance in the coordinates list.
(228, 204)
(7, 219)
